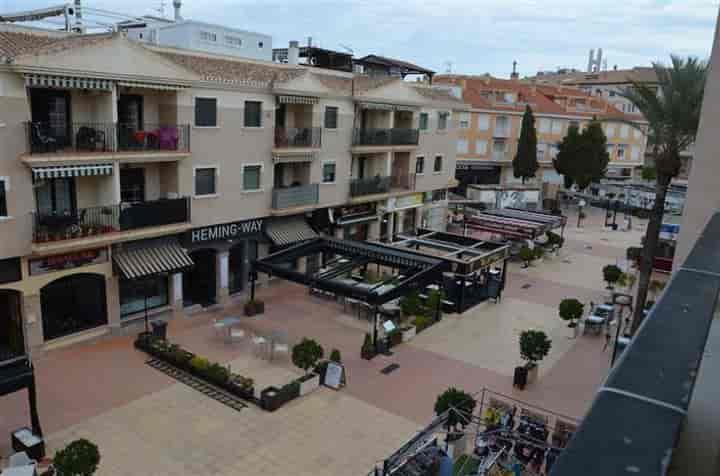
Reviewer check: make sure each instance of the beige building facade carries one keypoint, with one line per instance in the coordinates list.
(140, 179)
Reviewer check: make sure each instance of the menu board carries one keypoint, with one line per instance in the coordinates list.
(334, 375)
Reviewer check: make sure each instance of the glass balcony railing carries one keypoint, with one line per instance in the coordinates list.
(395, 136)
(292, 197)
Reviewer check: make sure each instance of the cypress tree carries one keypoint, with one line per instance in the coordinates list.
(525, 163)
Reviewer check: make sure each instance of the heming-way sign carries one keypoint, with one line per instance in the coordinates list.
(227, 231)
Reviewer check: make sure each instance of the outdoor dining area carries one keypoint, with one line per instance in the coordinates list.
(234, 330)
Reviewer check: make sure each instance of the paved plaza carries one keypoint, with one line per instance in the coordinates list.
(146, 423)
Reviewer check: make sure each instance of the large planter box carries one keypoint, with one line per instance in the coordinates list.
(247, 393)
(273, 398)
(309, 384)
(409, 333)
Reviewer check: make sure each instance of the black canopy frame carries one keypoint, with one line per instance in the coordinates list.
(18, 374)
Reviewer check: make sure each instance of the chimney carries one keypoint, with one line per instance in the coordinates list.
(514, 74)
(293, 52)
(177, 4)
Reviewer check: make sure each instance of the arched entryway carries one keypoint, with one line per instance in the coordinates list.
(199, 283)
(73, 304)
(12, 339)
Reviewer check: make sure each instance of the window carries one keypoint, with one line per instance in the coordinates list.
(509, 97)
(637, 133)
(462, 146)
(635, 153)
(443, 120)
(610, 130)
(3, 197)
(439, 195)
(612, 94)
(420, 165)
(134, 294)
(556, 127)
(545, 125)
(499, 148)
(423, 121)
(331, 117)
(206, 112)
(540, 152)
(205, 181)
(554, 151)
(610, 149)
(483, 122)
(261, 44)
(253, 113)
(625, 131)
(574, 124)
(502, 126)
(328, 172)
(208, 36)
(233, 41)
(481, 147)
(251, 177)
(438, 164)
(464, 120)
(621, 152)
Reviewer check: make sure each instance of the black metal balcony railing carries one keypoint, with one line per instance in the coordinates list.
(299, 196)
(43, 137)
(298, 137)
(370, 186)
(94, 221)
(386, 136)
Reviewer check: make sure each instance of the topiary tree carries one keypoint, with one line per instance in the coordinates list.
(460, 404)
(79, 458)
(534, 346)
(306, 354)
(612, 274)
(571, 310)
(335, 356)
(527, 255)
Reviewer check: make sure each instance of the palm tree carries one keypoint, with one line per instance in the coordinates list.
(673, 113)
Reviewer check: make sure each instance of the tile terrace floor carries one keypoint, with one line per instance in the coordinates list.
(145, 423)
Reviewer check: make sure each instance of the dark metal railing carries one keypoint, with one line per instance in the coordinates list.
(369, 186)
(43, 137)
(94, 221)
(299, 196)
(298, 137)
(394, 136)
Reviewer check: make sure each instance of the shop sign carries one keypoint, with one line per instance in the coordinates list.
(227, 231)
(408, 201)
(48, 264)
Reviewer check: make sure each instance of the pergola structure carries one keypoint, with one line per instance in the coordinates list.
(515, 223)
(18, 374)
(324, 263)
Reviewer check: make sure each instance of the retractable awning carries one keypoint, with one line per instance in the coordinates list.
(280, 159)
(287, 231)
(387, 107)
(69, 82)
(71, 171)
(158, 258)
(286, 99)
(146, 85)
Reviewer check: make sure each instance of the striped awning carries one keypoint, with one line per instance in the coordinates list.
(68, 82)
(159, 258)
(145, 85)
(60, 171)
(387, 107)
(284, 159)
(286, 231)
(285, 99)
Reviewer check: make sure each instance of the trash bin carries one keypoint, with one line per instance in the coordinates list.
(159, 329)
(520, 377)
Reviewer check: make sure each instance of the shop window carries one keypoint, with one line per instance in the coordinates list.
(73, 304)
(135, 294)
(420, 165)
(328, 172)
(331, 117)
(252, 177)
(206, 112)
(438, 164)
(423, 121)
(205, 181)
(253, 114)
(3, 197)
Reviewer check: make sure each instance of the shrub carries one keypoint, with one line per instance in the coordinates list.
(217, 374)
(435, 298)
(306, 354)
(534, 346)
(460, 404)
(335, 356)
(200, 364)
(527, 255)
(411, 305)
(539, 252)
(555, 239)
(633, 253)
(612, 274)
(421, 323)
(79, 458)
(571, 310)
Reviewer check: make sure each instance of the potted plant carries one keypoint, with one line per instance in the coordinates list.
(305, 355)
(79, 458)
(633, 254)
(526, 255)
(367, 351)
(254, 307)
(408, 332)
(335, 356)
(612, 274)
(459, 406)
(534, 346)
(571, 310)
(422, 322)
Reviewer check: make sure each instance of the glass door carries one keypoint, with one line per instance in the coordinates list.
(50, 111)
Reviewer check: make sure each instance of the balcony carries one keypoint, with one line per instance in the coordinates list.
(386, 137)
(87, 138)
(100, 222)
(370, 186)
(303, 137)
(402, 181)
(295, 197)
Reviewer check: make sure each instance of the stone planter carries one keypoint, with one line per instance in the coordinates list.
(309, 383)
(408, 333)
(532, 374)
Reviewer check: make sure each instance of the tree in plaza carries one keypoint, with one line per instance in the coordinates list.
(460, 405)
(595, 157)
(306, 354)
(525, 163)
(672, 110)
(612, 274)
(569, 154)
(571, 310)
(534, 346)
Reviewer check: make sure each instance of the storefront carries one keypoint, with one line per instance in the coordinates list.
(402, 216)
(355, 222)
(73, 304)
(435, 211)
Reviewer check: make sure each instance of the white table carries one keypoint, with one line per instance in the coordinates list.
(229, 322)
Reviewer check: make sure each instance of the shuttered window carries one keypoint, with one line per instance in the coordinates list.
(206, 112)
(205, 181)
(331, 117)
(253, 113)
(251, 177)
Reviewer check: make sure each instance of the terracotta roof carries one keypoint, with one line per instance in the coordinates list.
(223, 70)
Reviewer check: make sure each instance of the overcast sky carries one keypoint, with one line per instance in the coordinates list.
(469, 36)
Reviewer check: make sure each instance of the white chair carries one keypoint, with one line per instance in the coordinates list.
(219, 328)
(21, 459)
(259, 343)
(236, 334)
(281, 349)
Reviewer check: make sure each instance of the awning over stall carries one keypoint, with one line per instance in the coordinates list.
(158, 258)
(286, 231)
(71, 171)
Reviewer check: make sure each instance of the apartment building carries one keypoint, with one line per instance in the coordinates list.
(489, 130)
(136, 177)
